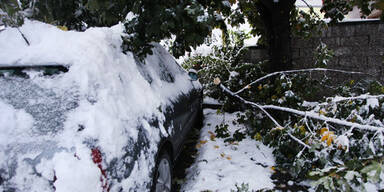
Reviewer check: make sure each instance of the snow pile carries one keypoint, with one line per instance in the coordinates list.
(221, 165)
(17, 122)
(210, 101)
(106, 101)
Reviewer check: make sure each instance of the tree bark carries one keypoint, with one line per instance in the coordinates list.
(276, 17)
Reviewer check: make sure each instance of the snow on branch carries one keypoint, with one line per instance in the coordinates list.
(294, 71)
(317, 116)
(309, 114)
(250, 103)
(263, 110)
(339, 99)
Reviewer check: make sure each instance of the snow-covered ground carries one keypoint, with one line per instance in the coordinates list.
(220, 166)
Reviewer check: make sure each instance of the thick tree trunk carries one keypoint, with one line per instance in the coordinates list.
(276, 17)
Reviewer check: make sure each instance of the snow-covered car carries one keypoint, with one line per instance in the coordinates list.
(77, 114)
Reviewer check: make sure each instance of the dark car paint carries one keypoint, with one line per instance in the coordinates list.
(180, 116)
(185, 114)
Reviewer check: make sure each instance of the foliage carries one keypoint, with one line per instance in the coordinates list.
(322, 55)
(148, 21)
(248, 9)
(335, 151)
(9, 13)
(306, 24)
(338, 157)
(222, 131)
(336, 10)
(189, 21)
(241, 188)
(73, 14)
(225, 63)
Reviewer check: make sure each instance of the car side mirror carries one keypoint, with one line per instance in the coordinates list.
(193, 75)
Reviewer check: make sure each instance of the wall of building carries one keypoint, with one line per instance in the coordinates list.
(357, 45)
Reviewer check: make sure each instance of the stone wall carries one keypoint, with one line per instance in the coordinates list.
(358, 46)
(255, 54)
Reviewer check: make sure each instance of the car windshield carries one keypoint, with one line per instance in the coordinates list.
(48, 106)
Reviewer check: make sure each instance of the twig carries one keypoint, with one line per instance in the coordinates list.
(300, 153)
(299, 141)
(306, 123)
(310, 6)
(306, 3)
(25, 39)
(294, 71)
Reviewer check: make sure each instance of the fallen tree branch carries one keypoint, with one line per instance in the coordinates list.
(250, 103)
(293, 71)
(309, 114)
(339, 99)
(317, 116)
(263, 110)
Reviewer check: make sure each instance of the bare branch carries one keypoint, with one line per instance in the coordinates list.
(311, 7)
(317, 116)
(294, 71)
(339, 99)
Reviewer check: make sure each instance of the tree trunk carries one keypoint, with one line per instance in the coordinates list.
(276, 17)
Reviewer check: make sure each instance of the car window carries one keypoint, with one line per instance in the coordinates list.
(158, 70)
(165, 74)
(143, 71)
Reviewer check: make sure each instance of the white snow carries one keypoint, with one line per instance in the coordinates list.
(314, 3)
(226, 3)
(86, 177)
(373, 102)
(220, 165)
(343, 141)
(13, 123)
(113, 98)
(210, 100)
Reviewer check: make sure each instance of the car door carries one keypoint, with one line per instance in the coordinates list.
(180, 117)
(182, 112)
(186, 110)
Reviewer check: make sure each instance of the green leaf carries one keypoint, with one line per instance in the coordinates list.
(371, 167)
